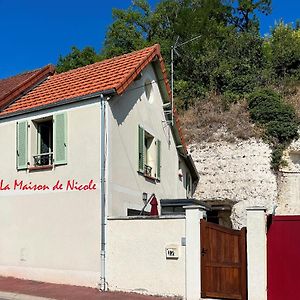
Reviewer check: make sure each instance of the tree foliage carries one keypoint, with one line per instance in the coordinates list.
(282, 50)
(77, 58)
(244, 13)
(229, 57)
(278, 117)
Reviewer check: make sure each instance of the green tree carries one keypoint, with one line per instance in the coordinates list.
(139, 25)
(227, 56)
(282, 50)
(77, 58)
(244, 13)
(131, 30)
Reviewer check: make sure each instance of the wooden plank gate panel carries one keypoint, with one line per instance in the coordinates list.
(223, 262)
(283, 253)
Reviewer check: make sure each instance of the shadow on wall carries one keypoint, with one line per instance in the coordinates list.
(123, 104)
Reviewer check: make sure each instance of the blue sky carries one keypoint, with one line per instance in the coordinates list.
(34, 33)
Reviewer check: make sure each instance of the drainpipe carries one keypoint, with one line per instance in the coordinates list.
(103, 283)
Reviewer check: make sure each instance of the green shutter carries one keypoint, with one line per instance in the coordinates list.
(141, 148)
(158, 159)
(60, 139)
(22, 145)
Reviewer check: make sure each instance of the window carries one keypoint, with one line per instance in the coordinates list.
(47, 139)
(136, 212)
(149, 154)
(44, 154)
(188, 185)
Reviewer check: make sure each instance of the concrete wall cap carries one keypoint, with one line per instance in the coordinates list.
(150, 218)
(256, 208)
(199, 207)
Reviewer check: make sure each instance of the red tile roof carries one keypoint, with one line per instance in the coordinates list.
(13, 87)
(112, 74)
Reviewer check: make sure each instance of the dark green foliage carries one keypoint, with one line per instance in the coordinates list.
(244, 13)
(278, 118)
(77, 58)
(277, 156)
(283, 132)
(266, 106)
(227, 57)
(282, 50)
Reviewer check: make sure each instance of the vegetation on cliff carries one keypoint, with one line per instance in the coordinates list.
(230, 82)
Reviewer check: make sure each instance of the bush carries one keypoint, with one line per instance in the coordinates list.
(279, 118)
(283, 132)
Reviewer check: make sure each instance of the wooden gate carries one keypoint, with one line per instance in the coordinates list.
(283, 246)
(223, 262)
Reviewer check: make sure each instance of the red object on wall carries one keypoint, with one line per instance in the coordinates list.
(283, 246)
(154, 204)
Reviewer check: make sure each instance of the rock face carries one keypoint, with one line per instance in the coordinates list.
(237, 174)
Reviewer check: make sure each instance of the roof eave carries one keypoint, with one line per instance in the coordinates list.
(59, 103)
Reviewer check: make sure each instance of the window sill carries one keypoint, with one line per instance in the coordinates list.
(149, 178)
(40, 168)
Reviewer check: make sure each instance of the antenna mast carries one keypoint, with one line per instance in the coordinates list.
(173, 49)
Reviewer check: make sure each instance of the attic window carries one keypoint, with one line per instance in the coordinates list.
(148, 90)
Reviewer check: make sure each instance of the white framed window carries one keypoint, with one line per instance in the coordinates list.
(149, 154)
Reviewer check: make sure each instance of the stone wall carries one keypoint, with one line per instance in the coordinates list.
(237, 174)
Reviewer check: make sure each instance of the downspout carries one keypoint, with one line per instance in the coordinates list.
(103, 283)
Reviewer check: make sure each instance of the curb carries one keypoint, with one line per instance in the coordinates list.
(14, 296)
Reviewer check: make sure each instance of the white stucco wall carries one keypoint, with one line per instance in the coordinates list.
(256, 253)
(53, 236)
(238, 173)
(137, 260)
(127, 111)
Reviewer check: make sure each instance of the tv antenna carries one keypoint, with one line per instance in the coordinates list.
(174, 50)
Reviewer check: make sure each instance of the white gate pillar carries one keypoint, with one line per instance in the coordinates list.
(193, 215)
(257, 253)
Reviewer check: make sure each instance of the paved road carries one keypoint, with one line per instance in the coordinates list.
(17, 289)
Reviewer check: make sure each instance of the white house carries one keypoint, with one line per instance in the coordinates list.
(76, 148)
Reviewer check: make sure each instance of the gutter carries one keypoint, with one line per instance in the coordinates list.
(103, 216)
